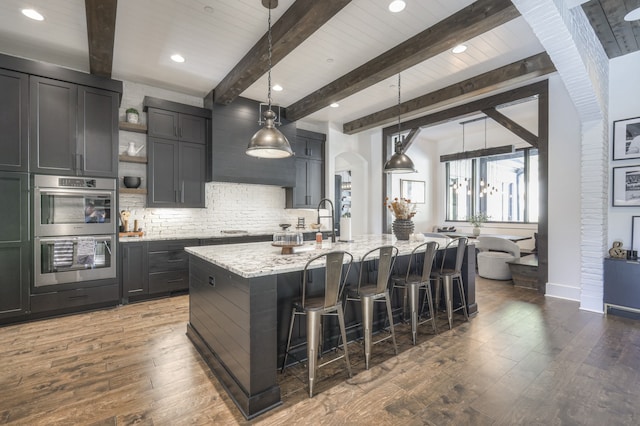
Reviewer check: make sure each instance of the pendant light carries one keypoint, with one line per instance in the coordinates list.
(269, 142)
(399, 161)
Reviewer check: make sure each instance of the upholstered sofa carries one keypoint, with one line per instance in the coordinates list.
(493, 255)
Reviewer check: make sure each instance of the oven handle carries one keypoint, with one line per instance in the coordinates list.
(101, 239)
(62, 191)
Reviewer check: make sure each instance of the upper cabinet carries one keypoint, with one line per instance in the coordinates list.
(177, 147)
(177, 126)
(233, 126)
(309, 165)
(74, 129)
(14, 121)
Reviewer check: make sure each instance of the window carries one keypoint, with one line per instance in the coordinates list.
(505, 187)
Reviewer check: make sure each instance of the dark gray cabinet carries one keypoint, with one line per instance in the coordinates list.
(134, 270)
(309, 163)
(177, 126)
(15, 246)
(176, 173)
(14, 121)
(169, 266)
(233, 126)
(74, 129)
(621, 289)
(97, 132)
(178, 141)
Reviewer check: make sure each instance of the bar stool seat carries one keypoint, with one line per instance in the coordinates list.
(413, 283)
(369, 293)
(317, 306)
(446, 276)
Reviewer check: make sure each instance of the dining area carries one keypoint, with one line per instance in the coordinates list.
(321, 307)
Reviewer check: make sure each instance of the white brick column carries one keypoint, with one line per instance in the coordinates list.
(584, 69)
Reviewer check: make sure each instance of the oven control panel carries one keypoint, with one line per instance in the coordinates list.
(76, 183)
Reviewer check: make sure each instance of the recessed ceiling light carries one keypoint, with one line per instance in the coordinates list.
(397, 6)
(277, 88)
(208, 9)
(177, 58)
(334, 105)
(33, 14)
(634, 15)
(459, 48)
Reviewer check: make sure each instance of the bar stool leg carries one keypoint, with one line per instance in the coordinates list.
(387, 299)
(343, 332)
(431, 311)
(463, 299)
(367, 324)
(286, 352)
(313, 340)
(413, 302)
(448, 289)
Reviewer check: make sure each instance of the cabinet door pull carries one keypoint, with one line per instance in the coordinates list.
(175, 130)
(175, 260)
(176, 280)
(182, 192)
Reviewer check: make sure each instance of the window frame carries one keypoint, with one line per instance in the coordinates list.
(478, 204)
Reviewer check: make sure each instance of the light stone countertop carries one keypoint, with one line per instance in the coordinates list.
(260, 259)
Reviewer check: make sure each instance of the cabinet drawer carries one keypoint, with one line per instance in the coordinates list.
(164, 282)
(74, 298)
(171, 245)
(174, 260)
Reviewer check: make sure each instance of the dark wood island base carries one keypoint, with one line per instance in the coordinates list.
(250, 405)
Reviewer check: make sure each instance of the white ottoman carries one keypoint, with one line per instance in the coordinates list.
(493, 265)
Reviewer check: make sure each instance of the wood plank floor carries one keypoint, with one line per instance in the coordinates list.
(523, 360)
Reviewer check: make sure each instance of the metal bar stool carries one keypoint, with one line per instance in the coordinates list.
(375, 292)
(448, 275)
(414, 282)
(316, 307)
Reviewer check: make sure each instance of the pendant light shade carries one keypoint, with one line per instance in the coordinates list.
(399, 161)
(269, 142)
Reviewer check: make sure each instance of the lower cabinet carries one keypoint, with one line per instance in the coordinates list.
(74, 300)
(15, 246)
(134, 270)
(621, 290)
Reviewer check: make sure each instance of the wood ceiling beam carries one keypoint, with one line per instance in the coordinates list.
(473, 20)
(506, 76)
(468, 109)
(101, 29)
(301, 20)
(512, 126)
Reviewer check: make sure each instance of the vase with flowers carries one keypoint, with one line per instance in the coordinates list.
(477, 220)
(403, 210)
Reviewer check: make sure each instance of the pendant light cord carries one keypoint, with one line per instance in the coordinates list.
(269, 73)
(399, 141)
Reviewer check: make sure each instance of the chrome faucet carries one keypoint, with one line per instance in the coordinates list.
(333, 218)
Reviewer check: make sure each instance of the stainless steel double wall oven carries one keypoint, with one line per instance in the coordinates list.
(75, 222)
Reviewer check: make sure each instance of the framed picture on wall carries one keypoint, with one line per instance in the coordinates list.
(626, 139)
(626, 186)
(413, 190)
(635, 233)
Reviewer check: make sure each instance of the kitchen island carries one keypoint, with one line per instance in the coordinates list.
(240, 300)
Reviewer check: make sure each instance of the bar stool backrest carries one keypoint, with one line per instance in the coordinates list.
(430, 248)
(386, 260)
(461, 246)
(333, 276)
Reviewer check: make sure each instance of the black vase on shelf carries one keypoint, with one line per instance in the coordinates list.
(402, 228)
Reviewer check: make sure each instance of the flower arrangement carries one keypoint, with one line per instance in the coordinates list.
(401, 208)
(478, 219)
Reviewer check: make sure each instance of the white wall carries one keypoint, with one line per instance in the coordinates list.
(564, 194)
(624, 102)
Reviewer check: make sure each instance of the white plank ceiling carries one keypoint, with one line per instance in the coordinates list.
(213, 35)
